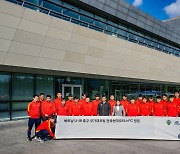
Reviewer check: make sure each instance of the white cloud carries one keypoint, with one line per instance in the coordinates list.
(137, 2)
(173, 9)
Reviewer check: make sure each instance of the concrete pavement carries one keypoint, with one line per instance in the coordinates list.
(13, 140)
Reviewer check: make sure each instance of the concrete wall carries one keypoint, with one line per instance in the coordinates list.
(173, 22)
(35, 40)
(132, 14)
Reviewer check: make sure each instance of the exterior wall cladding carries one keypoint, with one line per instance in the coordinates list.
(133, 15)
(31, 40)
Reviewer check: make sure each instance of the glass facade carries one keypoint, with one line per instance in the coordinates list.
(16, 90)
(77, 15)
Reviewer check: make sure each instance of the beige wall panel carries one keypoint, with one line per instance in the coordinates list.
(61, 24)
(89, 33)
(74, 57)
(33, 27)
(59, 34)
(11, 9)
(75, 38)
(97, 44)
(7, 33)
(37, 17)
(70, 66)
(4, 45)
(55, 43)
(2, 57)
(52, 53)
(51, 64)
(95, 52)
(20, 60)
(118, 49)
(77, 48)
(9, 20)
(27, 37)
(25, 49)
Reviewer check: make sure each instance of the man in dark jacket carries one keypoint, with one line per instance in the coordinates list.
(104, 108)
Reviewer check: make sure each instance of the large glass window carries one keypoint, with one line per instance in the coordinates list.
(22, 86)
(86, 19)
(95, 86)
(45, 84)
(4, 86)
(52, 6)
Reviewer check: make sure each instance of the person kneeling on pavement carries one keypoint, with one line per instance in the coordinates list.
(44, 131)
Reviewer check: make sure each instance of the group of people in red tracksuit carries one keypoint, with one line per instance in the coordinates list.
(45, 110)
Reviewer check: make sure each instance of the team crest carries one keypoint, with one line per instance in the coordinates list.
(168, 122)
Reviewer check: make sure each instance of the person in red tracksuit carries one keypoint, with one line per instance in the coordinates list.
(124, 102)
(33, 110)
(95, 104)
(164, 99)
(47, 108)
(45, 130)
(177, 99)
(70, 101)
(159, 109)
(144, 108)
(88, 107)
(172, 107)
(151, 103)
(112, 102)
(57, 101)
(62, 109)
(139, 100)
(133, 109)
(76, 108)
(41, 98)
(83, 99)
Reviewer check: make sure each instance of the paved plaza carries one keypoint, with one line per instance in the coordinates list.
(13, 140)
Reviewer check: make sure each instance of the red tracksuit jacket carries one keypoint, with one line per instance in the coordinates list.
(177, 101)
(133, 110)
(159, 109)
(125, 104)
(76, 109)
(138, 102)
(172, 109)
(82, 101)
(57, 102)
(88, 109)
(151, 104)
(112, 103)
(33, 109)
(47, 108)
(95, 106)
(46, 125)
(62, 110)
(69, 103)
(145, 109)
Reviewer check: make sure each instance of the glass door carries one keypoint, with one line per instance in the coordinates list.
(75, 90)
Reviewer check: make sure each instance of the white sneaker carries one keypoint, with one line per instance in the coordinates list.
(40, 140)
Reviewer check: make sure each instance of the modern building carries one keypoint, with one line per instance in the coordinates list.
(75, 46)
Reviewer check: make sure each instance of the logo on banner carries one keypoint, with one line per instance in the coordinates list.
(168, 122)
(179, 136)
(177, 123)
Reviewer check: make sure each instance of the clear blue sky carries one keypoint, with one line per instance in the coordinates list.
(155, 7)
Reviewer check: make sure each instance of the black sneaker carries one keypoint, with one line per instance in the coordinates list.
(29, 138)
